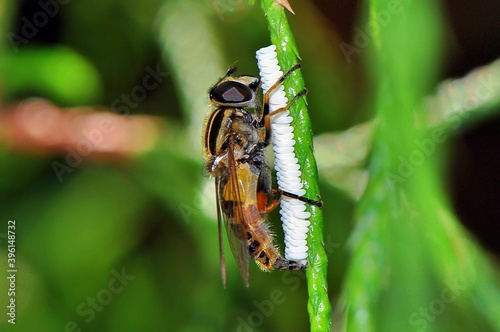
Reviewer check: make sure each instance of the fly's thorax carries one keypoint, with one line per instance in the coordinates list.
(248, 135)
(235, 126)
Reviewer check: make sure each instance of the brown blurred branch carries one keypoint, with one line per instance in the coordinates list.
(38, 126)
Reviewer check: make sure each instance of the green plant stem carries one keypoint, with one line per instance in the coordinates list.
(318, 306)
(409, 220)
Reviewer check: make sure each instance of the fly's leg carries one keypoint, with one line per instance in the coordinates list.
(275, 86)
(268, 203)
(266, 122)
(301, 198)
(278, 193)
(266, 115)
(266, 198)
(285, 264)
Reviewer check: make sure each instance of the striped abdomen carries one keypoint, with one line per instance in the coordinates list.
(261, 245)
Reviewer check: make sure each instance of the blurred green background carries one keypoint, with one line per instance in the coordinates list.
(115, 223)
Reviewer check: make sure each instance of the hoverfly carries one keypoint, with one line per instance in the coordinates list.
(233, 143)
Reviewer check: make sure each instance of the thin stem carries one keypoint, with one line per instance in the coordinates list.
(319, 307)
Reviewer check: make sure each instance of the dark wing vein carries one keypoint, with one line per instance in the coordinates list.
(236, 224)
(220, 217)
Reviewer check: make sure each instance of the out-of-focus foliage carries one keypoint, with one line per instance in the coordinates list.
(411, 260)
(129, 243)
(55, 73)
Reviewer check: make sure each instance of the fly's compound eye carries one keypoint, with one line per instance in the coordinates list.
(232, 93)
(254, 84)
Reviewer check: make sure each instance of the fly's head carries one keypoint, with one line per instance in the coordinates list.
(239, 91)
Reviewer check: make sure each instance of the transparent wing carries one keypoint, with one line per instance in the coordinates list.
(220, 217)
(231, 211)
